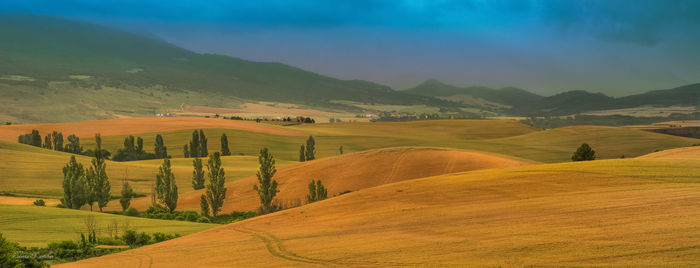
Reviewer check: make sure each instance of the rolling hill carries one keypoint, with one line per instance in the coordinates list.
(628, 212)
(677, 153)
(44, 57)
(36, 172)
(350, 172)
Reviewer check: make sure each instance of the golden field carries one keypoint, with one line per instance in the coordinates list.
(631, 212)
(428, 193)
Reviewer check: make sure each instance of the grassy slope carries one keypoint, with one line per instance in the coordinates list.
(33, 171)
(37, 226)
(627, 212)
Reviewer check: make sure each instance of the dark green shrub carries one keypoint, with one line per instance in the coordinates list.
(190, 215)
(203, 220)
(134, 239)
(109, 241)
(60, 205)
(40, 203)
(131, 212)
(160, 237)
(66, 249)
(143, 239)
(179, 218)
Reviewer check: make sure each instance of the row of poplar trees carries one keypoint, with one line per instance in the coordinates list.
(86, 186)
(198, 145)
(52, 141)
(213, 198)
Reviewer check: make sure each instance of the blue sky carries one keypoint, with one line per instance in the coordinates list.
(617, 47)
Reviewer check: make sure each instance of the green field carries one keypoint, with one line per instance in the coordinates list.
(32, 171)
(37, 226)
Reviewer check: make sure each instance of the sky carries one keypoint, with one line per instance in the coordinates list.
(618, 47)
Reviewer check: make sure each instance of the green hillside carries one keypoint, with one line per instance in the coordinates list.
(41, 56)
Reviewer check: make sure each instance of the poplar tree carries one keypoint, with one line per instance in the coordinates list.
(204, 206)
(194, 145)
(35, 138)
(310, 152)
(47, 142)
(97, 179)
(317, 192)
(186, 151)
(267, 188)
(166, 188)
(160, 149)
(224, 145)
(216, 192)
(204, 152)
(139, 143)
(302, 154)
(74, 185)
(74, 145)
(57, 140)
(126, 195)
(197, 174)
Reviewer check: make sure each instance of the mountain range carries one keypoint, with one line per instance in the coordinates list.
(41, 56)
(517, 101)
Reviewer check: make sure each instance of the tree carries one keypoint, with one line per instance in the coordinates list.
(186, 151)
(310, 152)
(203, 144)
(197, 174)
(267, 188)
(98, 181)
(224, 145)
(74, 145)
(166, 189)
(35, 138)
(317, 192)
(57, 140)
(341, 149)
(583, 153)
(127, 193)
(7, 253)
(302, 154)
(48, 144)
(160, 149)
(132, 151)
(204, 206)
(74, 185)
(194, 145)
(311, 197)
(216, 192)
(139, 146)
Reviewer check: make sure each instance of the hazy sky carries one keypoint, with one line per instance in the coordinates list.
(617, 47)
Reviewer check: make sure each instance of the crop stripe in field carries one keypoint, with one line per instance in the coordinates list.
(395, 168)
(275, 248)
(141, 259)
